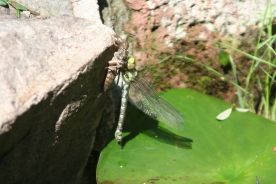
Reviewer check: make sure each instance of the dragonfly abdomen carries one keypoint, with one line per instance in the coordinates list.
(118, 133)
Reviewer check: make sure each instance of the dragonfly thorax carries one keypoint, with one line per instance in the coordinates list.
(130, 76)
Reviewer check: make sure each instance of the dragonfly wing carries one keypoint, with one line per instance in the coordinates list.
(143, 96)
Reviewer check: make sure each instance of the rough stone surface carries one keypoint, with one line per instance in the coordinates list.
(49, 8)
(176, 16)
(87, 9)
(51, 100)
(115, 14)
(106, 124)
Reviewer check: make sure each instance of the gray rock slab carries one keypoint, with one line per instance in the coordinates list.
(87, 9)
(49, 8)
(51, 96)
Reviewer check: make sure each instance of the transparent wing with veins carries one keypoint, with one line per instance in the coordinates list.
(144, 97)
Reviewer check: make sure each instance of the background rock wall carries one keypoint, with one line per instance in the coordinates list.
(163, 23)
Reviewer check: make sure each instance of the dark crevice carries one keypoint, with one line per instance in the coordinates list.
(102, 5)
(154, 28)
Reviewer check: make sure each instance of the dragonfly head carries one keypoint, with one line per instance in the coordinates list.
(131, 63)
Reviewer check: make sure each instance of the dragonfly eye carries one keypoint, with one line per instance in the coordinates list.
(131, 63)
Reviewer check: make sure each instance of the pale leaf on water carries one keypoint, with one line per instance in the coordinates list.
(241, 109)
(225, 114)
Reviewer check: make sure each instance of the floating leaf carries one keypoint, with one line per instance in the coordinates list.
(211, 152)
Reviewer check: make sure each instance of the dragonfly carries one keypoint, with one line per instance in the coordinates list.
(141, 94)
